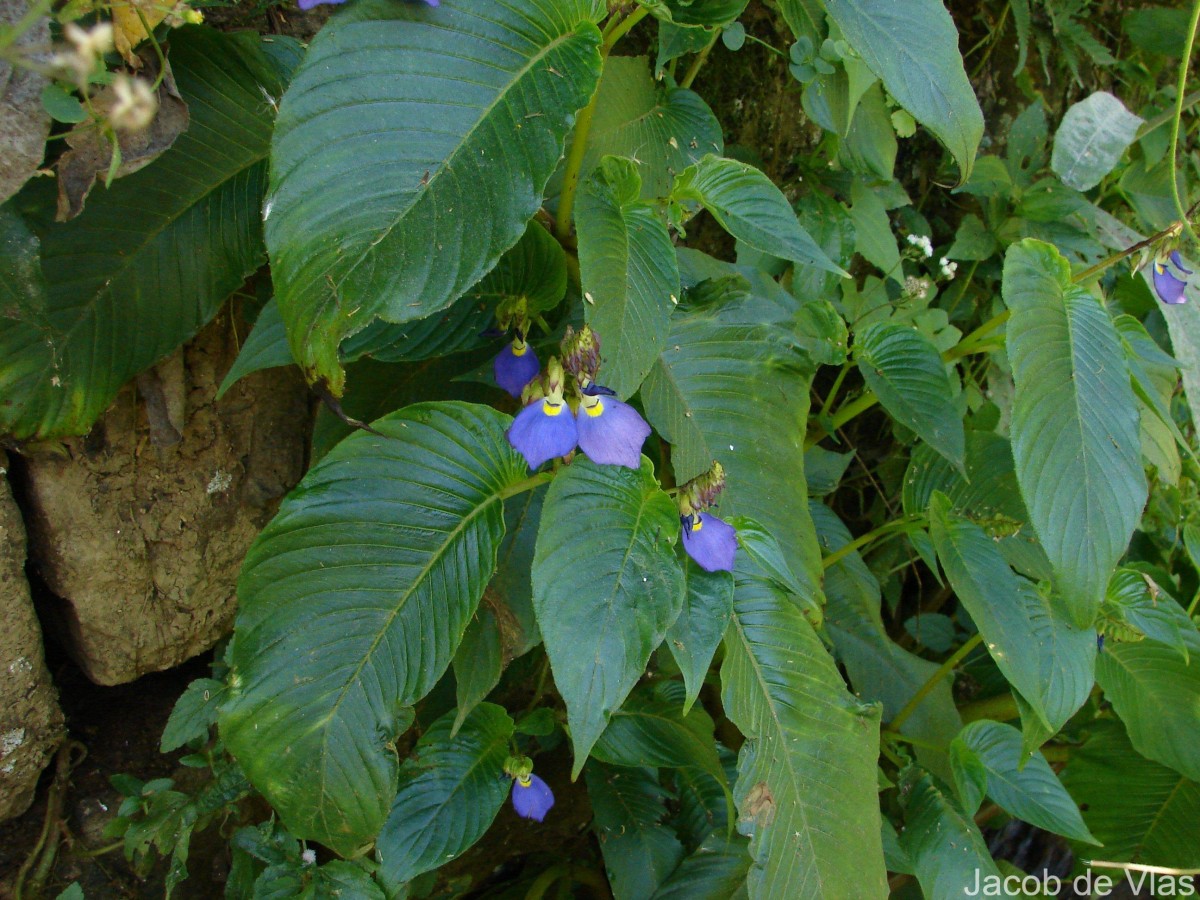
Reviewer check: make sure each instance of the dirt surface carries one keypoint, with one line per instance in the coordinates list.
(139, 528)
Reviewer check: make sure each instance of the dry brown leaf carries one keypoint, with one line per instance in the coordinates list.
(128, 30)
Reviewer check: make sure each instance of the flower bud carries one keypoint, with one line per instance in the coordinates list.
(581, 354)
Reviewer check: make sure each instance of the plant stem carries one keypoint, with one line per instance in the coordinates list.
(9, 36)
(833, 391)
(914, 742)
(1001, 708)
(1180, 87)
(924, 691)
(528, 484)
(698, 62)
(900, 525)
(583, 125)
(860, 404)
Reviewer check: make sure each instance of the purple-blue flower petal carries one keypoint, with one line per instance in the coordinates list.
(710, 542)
(531, 797)
(543, 430)
(1169, 288)
(514, 371)
(1178, 260)
(612, 433)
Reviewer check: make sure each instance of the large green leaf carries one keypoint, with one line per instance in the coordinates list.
(1025, 788)
(1091, 139)
(1156, 692)
(384, 200)
(639, 852)
(1143, 812)
(151, 258)
(696, 12)
(606, 586)
(1074, 424)
(664, 130)
(715, 871)
(944, 844)
(1042, 654)
(695, 635)
(353, 601)
(1131, 604)
(738, 394)
(749, 206)
(913, 48)
(806, 788)
(628, 271)
(450, 791)
(878, 667)
(650, 729)
(988, 496)
(904, 369)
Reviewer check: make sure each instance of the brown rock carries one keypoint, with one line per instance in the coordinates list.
(141, 526)
(31, 724)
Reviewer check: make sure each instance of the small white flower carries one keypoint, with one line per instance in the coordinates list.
(922, 241)
(309, 857)
(134, 105)
(949, 269)
(916, 287)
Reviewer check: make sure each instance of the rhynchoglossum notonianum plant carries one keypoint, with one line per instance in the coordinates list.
(771, 518)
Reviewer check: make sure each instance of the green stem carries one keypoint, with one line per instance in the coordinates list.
(1180, 87)
(934, 680)
(528, 484)
(915, 742)
(763, 43)
(583, 126)
(1001, 708)
(859, 405)
(900, 525)
(967, 345)
(1166, 116)
(833, 391)
(698, 62)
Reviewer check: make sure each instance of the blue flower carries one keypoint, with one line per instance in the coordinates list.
(516, 366)
(1169, 287)
(610, 432)
(545, 428)
(531, 797)
(709, 541)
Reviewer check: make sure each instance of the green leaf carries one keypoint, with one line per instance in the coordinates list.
(1042, 654)
(650, 729)
(694, 636)
(664, 130)
(947, 851)
(874, 239)
(628, 272)
(61, 105)
(1157, 695)
(988, 496)
(1143, 812)
(696, 12)
(1025, 788)
(1092, 138)
(1132, 603)
(806, 774)
(382, 200)
(639, 852)
(533, 270)
(124, 289)
(450, 791)
(352, 602)
(193, 714)
(478, 663)
(880, 669)
(1074, 424)
(605, 578)
(750, 207)
(913, 48)
(716, 870)
(266, 347)
(738, 394)
(970, 775)
(904, 369)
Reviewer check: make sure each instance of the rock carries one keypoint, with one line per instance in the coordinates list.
(140, 527)
(31, 724)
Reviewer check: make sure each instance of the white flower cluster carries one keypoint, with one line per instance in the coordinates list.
(922, 241)
(949, 269)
